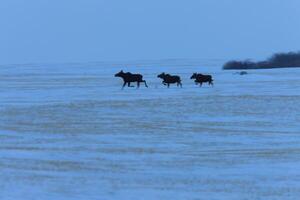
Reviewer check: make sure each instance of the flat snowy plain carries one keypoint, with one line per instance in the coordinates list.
(69, 132)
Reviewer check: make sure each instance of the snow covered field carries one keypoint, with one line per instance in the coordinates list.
(70, 132)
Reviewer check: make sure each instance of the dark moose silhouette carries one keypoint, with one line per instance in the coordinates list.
(200, 79)
(129, 78)
(168, 79)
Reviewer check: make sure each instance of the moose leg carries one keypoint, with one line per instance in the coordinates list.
(129, 84)
(200, 84)
(138, 84)
(179, 84)
(145, 83)
(168, 85)
(124, 85)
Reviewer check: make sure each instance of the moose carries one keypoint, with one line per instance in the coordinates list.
(131, 78)
(200, 79)
(169, 79)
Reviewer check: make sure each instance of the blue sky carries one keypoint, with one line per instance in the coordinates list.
(121, 30)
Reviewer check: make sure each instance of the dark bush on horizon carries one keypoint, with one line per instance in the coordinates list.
(279, 60)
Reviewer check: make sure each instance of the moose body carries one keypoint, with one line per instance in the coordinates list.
(200, 79)
(168, 79)
(131, 78)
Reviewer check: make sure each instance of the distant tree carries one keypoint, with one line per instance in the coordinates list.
(279, 60)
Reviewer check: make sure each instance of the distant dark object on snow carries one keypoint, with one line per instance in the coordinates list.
(129, 78)
(242, 73)
(279, 60)
(169, 79)
(201, 78)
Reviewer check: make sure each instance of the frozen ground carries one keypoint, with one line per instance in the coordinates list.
(69, 132)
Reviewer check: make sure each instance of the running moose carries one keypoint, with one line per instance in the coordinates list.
(130, 78)
(200, 79)
(168, 79)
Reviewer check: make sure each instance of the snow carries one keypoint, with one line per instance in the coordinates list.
(69, 132)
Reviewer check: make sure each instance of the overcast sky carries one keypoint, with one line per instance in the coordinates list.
(122, 30)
